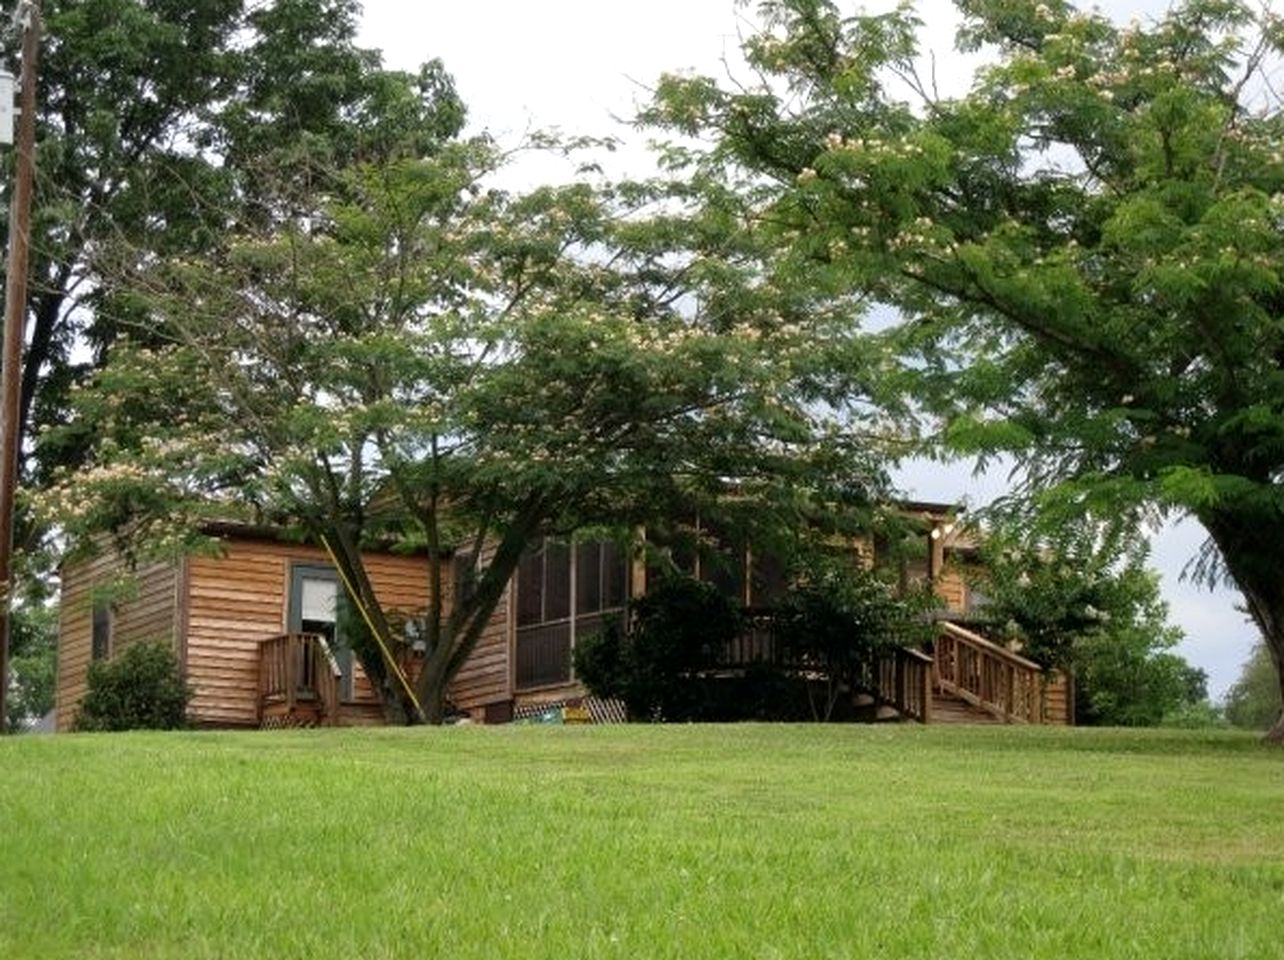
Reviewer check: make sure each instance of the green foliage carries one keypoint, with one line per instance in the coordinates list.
(158, 126)
(141, 688)
(1200, 715)
(1083, 246)
(1093, 607)
(676, 629)
(841, 619)
(1253, 701)
(33, 661)
(603, 662)
(1124, 679)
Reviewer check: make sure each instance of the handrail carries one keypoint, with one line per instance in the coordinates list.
(984, 674)
(1003, 653)
(904, 681)
(293, 667)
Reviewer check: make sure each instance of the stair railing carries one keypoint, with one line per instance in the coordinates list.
(988, 676)
(299, 667)
(905, 682)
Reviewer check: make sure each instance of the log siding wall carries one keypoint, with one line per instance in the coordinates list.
(237, 599)
(487, 676)
(216, 609)
(149, 612)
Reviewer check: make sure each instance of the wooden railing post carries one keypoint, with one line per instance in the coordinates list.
(291, 675)
(925, 691)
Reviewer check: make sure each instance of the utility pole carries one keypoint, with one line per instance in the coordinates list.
(27, 18)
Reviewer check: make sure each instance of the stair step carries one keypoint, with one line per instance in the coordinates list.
(948, 709)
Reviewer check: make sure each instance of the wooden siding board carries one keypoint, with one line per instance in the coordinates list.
(150, 614)
(240, 598)
(217, 609)
(487, 675)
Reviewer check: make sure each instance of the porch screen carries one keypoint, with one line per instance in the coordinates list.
(564, 591)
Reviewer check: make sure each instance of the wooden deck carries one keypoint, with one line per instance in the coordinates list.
(967, 679)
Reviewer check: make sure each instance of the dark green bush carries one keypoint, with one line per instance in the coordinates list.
(841, 619)
(669, 665)
(141, 688)
(675, 630)
(601, 662)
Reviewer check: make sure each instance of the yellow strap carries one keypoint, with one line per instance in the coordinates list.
(365, 615)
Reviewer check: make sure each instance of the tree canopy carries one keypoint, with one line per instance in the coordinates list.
(1253, 701)
(154, 121)
(398, 351)
(1084, 247)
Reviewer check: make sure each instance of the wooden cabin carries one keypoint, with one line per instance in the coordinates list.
(228, 615)
(254, 624)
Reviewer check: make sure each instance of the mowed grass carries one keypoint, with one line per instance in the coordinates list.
(683, 842)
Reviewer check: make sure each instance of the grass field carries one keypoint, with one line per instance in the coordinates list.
(683, 842)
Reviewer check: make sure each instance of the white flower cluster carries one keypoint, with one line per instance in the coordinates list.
(924, 235)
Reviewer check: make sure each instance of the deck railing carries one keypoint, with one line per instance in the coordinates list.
(905, 682)
(900, 677)
(297, 669)
(988, 676)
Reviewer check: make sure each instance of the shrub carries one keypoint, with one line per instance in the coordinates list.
(601, 663)
(142, 688)
(842, 619)
(674, 630)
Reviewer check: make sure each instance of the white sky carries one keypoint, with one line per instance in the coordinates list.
(583, 66)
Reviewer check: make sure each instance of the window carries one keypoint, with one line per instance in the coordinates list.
(101, 644)
(720, 556)
(564, 591)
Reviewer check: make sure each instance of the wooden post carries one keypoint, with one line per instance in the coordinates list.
(291, 674)
(926, 690)
(15, 316)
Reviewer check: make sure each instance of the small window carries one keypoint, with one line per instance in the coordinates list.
(101, 630)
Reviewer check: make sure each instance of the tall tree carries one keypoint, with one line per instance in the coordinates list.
(1084, 248)
(407, 353)
(1253, 701)
(154, 118)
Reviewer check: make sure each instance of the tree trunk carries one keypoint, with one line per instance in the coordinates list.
(431, 685)
(1250, 545)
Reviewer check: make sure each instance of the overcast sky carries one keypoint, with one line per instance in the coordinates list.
(584, 65)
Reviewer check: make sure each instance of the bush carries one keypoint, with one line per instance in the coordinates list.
(842, 620)
(601, 663)
(1195, 716)
(674, 631)
(142, 688)
(33, 659)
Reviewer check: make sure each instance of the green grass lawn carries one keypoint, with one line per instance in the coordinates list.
(684, 842)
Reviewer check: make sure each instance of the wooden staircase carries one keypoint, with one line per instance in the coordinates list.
(950, 709)
(298, 682)
(969, 679)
